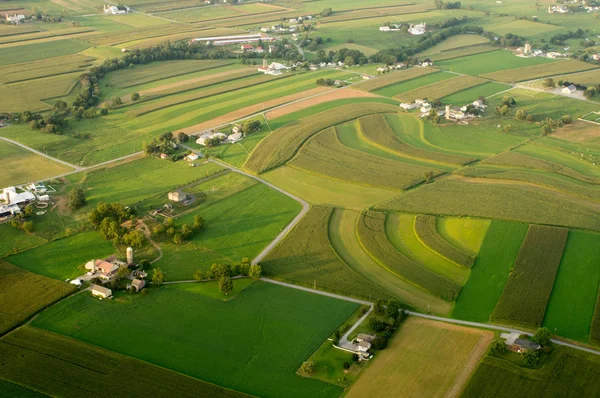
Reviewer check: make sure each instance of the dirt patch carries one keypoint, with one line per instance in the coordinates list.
(164, 87)
(331, 96)
(240, 113)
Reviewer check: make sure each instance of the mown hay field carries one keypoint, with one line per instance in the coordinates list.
(489, 62)
(248, 353)
(27, 95)
(568, 314)
(496, 257)
(425, 359)
(25, 293)
(441, 89)
(537, 71)
(60, 366)
(569, 159)
(32, 52)
(588, 78)
(393, 78)
(522, 27)
(20, 166)
(354, 166)
(527, 291)
(426, 231)
(394, 89)
(281, 145)
(568, 372)
(373, 238)
(305, 257)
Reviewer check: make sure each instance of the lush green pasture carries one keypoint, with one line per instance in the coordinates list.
(562, 158)
(537, 71)
(465, 233)
(393, 77)
(480, 64)
(501, 200)
(306, 257)
(256, 354)
(542, 105)
(343, 238)
(60, 366)
(11, 390)
(32, 52)
(64, 258)
(441, 89)
(469, 95)
(24, 294)
(527, 291)
(568, 372)
(425, 227)
(462, 52)
(237, 225)
(14, 240)
(353, 166)
(281, 145)
(395, 89)
(496, 257)
(523, 28)
(454, 42)
(571, 306)
(373, 238)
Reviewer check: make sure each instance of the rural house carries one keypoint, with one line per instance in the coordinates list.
(10, 196)
(204, 138)
(365, 337)
(101, 291)
(417, 30)
(138, 284)
(115, 10)
(106, 269)
(177, 196)
(363, 346)
(15, 19)
(570, 89)
(522, 345)
(191, 157)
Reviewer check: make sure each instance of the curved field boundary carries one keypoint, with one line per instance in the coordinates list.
(393, 78)
(281, 145)
(372, 236)
(426, 231)
(377, 130)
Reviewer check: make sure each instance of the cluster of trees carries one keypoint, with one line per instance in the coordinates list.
(385, 329)
(347, 56)
(448, 5)
(251, 126)
(452, 22)
(178, 235)
(108, 217)
(21, 223)
(76, 199)
(52, 123)
(326, 12)
(506, 107)
(549, 125)
(530, 357)
(164, 144)
(224, 272)
(314, 43)
(510, 40)
(560, 38)
(325, 82)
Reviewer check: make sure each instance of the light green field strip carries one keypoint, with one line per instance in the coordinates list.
(393, 78)
(465, 233)
(400, 231)
(556, 156)
(453, 43)
(441, 89)
(31, 52)
(342, 234)
(394, 90)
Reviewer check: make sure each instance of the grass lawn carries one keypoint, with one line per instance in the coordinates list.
(14, 240)
(569, 314)
(20, 166)
(465, 233)
(64, 258)
(424, 359)
(496, 257)
(256, 343)
(490, 62)
(211, 290)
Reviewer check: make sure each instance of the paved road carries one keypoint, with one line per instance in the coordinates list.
(347, 344)
(77, 168)
(315, 291)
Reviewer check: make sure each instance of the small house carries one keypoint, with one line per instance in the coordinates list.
(204, 138)
(479, 104)
(247, 48)
(101, 291)
(427, 62)
(363, 346)
(365, 337)
(235, 137)
(11, 196)
(596, 57)
(177, 196)
(408, 106)
(191, 157)
(522, 345)
(107, 270)
(417, 30)
(138, 284)
(15, 19)
(570, 89)
(9, 210)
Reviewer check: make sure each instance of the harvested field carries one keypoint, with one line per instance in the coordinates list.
(538, 71)
(373, 238)
(529, 285)
(441, 89)
(588, 78)
(281, 145)
(425, 359)
(327, 97)
(426, 230)
(354, 166)
(393, 78)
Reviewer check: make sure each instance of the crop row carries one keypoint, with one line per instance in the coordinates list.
(393, 78)
(281, 145)
(112, 38)
(538, 71)
(442, 88)
(530, 283)
(371, 233)
(426, 230)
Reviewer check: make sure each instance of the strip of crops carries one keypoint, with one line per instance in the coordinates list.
(282, 144)
(538, 71)
(354, 166)
(595, 332)
(110, 39)
(442, 88)
(377, 130)
(42, 35)
(426, 230)
(378, 12)
(371, 233)
(463, 52)
(182, 99)
(393, 78)
(60, 366)
(529, 285)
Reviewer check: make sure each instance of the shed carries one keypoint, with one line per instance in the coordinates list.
(138, 284)
(101, 291)
(177, 196)
(569, 89)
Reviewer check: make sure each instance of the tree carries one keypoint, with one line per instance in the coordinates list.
(157, 277)
(134, 239)
(546, 129)
(117, 101)
(346, 365)
(379, 306)
(428, 176)
(379, 343)
(226, 285)
(566, 119)
(76, 199)
(255, 271)
(60, 105)
(531, 358)
(498, 347)
(219, 270)
(507, 128)
(182, 137)
(250, 126)
(135, 96)
(377, 325)
(198, 275)
(123, 272)
(549, 83)
(326, 12)
(542, 336)
(244, 267)
(308, 367)
(27, 226)
(198, 223)
(104, 111)
(509, 101)
(144, 264)
(393, 308)
(521, 114)
(177, 239)
(28, 210)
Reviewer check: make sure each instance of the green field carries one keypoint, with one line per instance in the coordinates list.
(469, 95)
(32, 52)
(394, 90)
(454, 42)
(15, 240)
(570, 315)
(64, 258)
(465, 233)
(249, 352)
(537, 71)
(496, 257)
(441, 89)
(393, 78)
(480, 64)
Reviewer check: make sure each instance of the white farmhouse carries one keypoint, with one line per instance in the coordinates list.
(15, 19)
(101, 291)
(570, 89)
(10, 196)
(203, 138)
(115, 10)
(417, 30)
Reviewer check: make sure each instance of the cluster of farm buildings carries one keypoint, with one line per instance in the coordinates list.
(13, 200)
(563, 9)
(449, 112)
(415, 30)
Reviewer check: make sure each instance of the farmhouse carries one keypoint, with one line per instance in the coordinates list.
(479, 104)
(596, 57)
(235, 137)
(247, 48)
(106, 270)
(191, 157)
(138, 284)
(101, 291)
(417, 30)
(570, 89)
(164, 156)
(363, 346)
(556, 9)
(274, 68)
(408, 106)
(553, 54)
(365, 337)
(204, 138)
(10, 196)
(15, 19)
(177, 196)
(115, 10)
(522, 345)
(390, 28)
(427, 62)
(454, 113)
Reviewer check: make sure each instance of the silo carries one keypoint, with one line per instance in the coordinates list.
(129, 256)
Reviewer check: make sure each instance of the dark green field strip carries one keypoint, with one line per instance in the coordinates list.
(17, 30)
(61, 366)
(567, 373)
(126, 81)
(393, 78)
(22, 294)
(394, 90)
(526, 294)
(595, 328)
(36, 51)
(426, 230)
(377, 130)
(373, 238)
(305, 257)
(462, 52)
(354, 166)
(498, 252)
(281, 145)
(11, 390)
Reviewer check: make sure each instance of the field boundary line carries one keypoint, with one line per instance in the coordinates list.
(77, 168)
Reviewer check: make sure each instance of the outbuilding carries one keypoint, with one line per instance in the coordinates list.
(101, 291)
